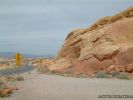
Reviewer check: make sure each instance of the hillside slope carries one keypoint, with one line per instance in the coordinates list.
(106, 45)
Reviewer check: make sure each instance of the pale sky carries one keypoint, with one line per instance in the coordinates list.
(40, 26)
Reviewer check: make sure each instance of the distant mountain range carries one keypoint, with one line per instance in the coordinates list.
(26, 55)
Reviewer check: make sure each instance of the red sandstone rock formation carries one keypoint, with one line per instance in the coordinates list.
(106, 45)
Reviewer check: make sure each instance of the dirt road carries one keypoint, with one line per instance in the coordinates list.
(53, 87)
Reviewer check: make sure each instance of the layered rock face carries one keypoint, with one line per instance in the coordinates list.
(106, 45)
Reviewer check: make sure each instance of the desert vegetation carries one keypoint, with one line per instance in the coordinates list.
(114, 74)
(8, 85)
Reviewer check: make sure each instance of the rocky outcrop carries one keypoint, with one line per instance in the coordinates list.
(42, 62)
(61, 63)
(106, 45)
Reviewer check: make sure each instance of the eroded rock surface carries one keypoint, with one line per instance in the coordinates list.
(106, 45)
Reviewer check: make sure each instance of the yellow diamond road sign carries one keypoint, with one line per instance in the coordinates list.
(18, 59)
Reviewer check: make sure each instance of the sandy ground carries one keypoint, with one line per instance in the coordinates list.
(53, 87)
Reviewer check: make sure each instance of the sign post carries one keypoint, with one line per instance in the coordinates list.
(18, 58)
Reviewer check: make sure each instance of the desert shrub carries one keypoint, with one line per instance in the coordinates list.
(19, 78)
(2, 86)
(4, 63)
(102, 74)
(42, 69)
(10, 78)
(115, 73)
(122, 75)
(4, 91)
